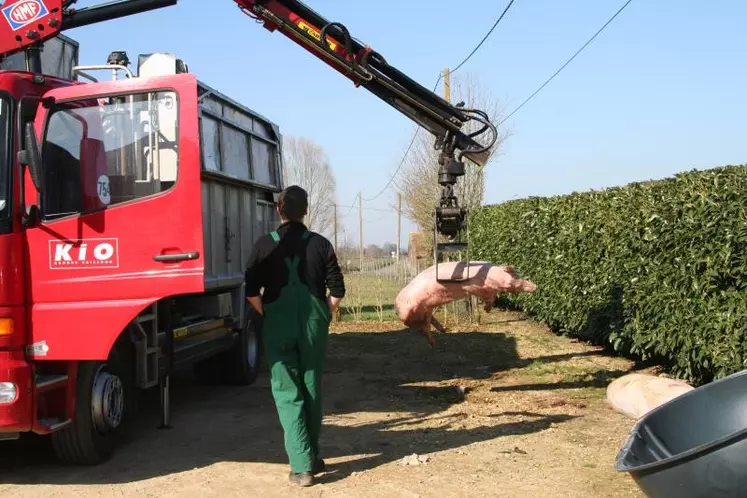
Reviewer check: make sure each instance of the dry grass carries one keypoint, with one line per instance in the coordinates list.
(524, 387)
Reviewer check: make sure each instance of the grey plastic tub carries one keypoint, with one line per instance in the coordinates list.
(693, 446)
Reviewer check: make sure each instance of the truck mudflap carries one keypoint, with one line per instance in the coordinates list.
(15, 394)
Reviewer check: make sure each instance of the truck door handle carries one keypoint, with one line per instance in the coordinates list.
(182, 256)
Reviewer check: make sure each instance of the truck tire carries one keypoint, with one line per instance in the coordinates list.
(104, 402)
(243, 368)
(239, 365)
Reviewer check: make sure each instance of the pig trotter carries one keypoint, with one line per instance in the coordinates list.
(438, 325)
(426, 332)
(488, 304)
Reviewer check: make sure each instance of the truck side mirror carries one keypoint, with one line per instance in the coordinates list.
(30, 156)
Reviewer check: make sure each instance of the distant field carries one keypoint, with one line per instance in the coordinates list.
(369, 297)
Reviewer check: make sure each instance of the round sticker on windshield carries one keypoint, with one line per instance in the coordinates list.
(102, 187)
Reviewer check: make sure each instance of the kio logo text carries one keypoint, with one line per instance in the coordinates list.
(82, 254)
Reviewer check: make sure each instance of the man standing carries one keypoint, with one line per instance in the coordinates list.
(296, 267)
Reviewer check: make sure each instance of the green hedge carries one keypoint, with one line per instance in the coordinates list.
(658, 269)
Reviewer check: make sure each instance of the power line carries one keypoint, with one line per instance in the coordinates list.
(369, 209)
(484, 38)
(567, 62)
(349, 210)
(402, 162)
(412, 142)
(375, 220)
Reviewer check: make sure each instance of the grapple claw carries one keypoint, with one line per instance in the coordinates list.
(459, 245)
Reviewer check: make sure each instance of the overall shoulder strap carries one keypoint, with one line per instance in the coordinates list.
(276, 238)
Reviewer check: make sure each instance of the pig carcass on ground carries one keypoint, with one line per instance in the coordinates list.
(637, 394)
(415, 303)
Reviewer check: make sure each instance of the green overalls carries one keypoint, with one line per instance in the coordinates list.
(295, 331)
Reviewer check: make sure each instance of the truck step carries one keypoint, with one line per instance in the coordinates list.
(47, 382)
(54, 424)
(146, 318)
(146, 348)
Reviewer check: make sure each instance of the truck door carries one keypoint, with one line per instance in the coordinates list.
(120, 221)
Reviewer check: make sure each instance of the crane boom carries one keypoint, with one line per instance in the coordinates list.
(333, 43)
(27, 23)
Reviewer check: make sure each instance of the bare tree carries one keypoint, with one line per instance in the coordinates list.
(418, 181)
(307, 165)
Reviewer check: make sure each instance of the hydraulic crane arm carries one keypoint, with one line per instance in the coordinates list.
(27, 23)
(333, 43)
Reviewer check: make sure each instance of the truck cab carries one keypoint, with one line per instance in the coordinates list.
(128, 208)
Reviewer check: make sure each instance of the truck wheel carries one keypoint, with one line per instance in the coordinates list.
(103, 398)
(243, 367)
(237, 366)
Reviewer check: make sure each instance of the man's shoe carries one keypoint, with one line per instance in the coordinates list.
(319, 466)
(301, 478)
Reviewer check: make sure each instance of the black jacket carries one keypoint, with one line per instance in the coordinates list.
(318, 266)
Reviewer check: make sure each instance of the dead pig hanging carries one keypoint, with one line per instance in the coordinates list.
(417, 300)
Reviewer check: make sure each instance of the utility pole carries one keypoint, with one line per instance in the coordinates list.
(360, 226)
(447, 85)
(335, 205)
(399, 223)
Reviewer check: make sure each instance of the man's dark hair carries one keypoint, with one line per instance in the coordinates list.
(293, 202)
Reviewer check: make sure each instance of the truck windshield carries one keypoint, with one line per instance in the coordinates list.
(5, 164)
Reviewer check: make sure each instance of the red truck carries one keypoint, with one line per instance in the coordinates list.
(128, 207)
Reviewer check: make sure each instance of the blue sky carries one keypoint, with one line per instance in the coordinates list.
(661, 90)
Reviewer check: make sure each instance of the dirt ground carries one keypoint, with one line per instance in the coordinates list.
(503, 409)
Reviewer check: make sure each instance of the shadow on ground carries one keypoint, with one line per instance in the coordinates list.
(371, 382)
(599, 379)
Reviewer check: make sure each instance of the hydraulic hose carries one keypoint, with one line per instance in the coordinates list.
(487, 123)
(348, 42)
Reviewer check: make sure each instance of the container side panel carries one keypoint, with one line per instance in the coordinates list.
(233, 218)
(242, 169)
(207, 230)
(218, 224)
(210, 144)
(248, 234)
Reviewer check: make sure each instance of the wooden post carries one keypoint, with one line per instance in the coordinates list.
(399, 223)
(360, 227)
(335, 228)
(447, 85)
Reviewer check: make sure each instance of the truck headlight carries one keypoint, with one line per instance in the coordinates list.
(8, 393)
